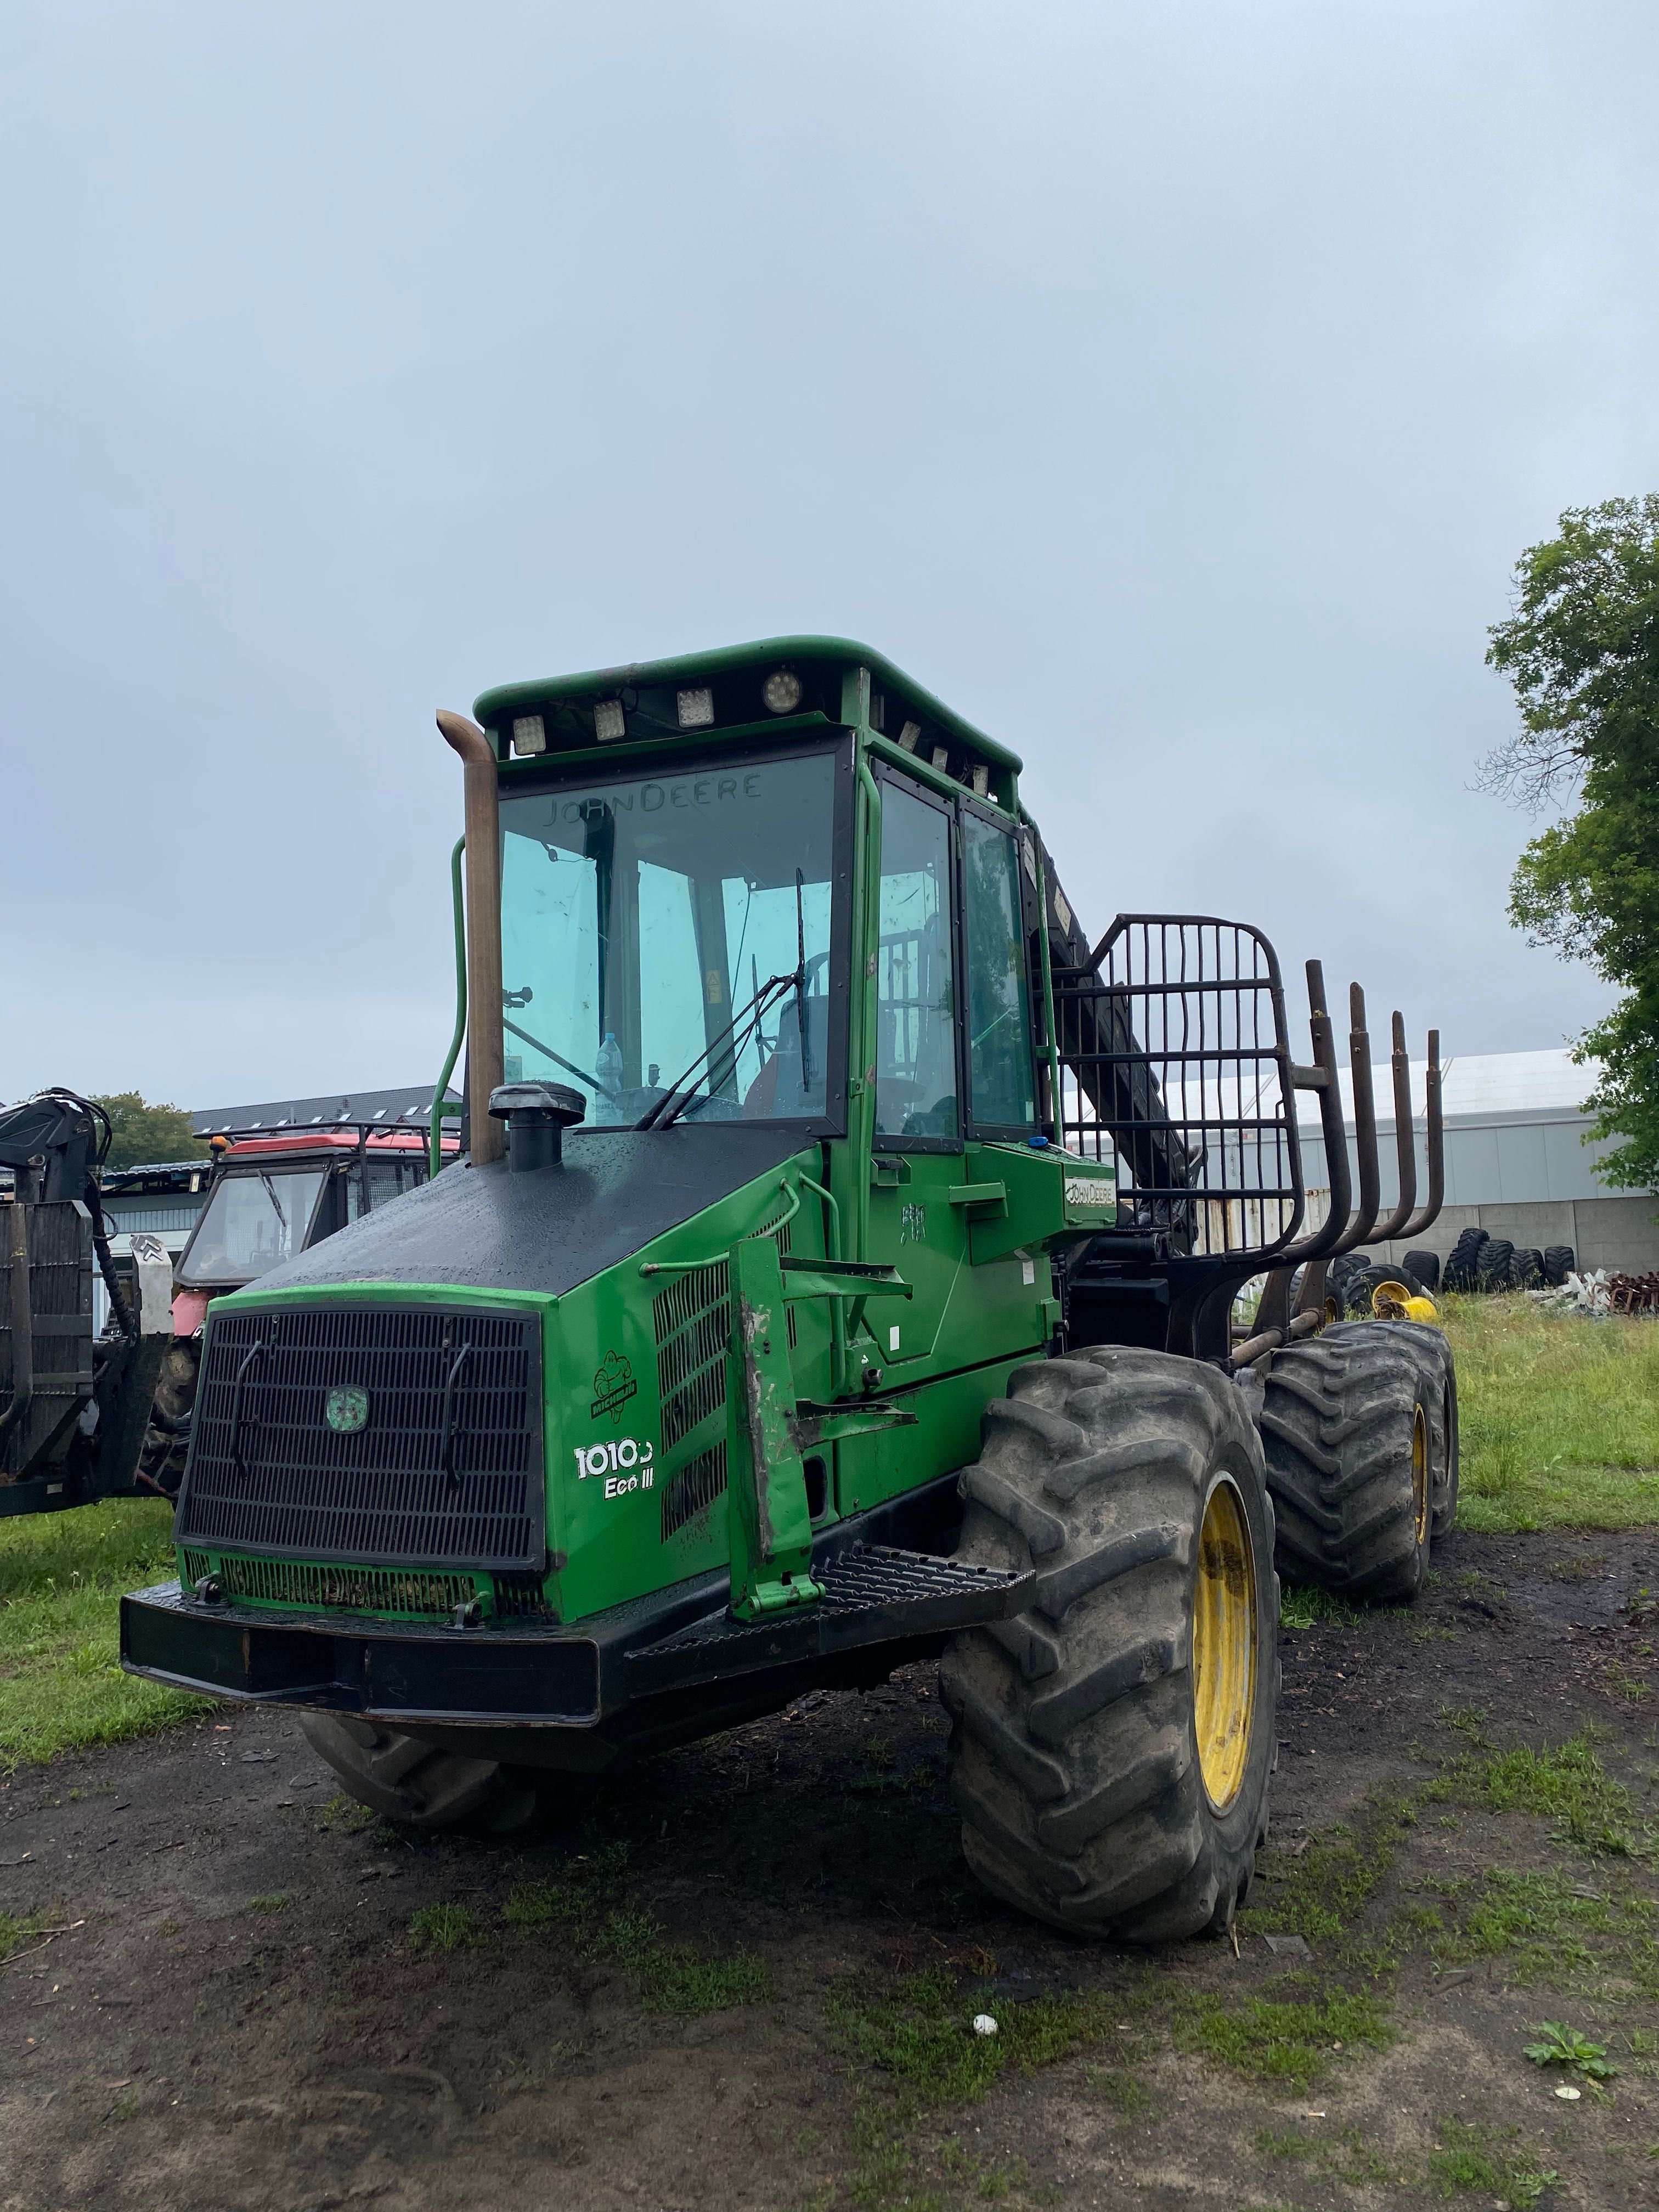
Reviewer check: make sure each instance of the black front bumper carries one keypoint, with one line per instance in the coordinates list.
(389, 1670)
(679, 1650)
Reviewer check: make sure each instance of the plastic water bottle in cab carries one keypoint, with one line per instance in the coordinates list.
(609, 1065)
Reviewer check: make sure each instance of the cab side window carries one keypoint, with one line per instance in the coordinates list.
(1000, 1074)
(915, 978)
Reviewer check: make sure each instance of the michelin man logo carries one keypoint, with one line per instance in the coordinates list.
(613, 1386)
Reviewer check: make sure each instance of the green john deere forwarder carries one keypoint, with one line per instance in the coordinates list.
(839, 1270)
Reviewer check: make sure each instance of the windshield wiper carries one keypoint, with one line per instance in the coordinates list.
(680, 1093)
(270, 1192)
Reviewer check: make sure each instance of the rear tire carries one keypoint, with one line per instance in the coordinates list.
(1432, 1346)
(1111, 1748)
(428, 1787)
(1423, 1267)
(1348, 1421)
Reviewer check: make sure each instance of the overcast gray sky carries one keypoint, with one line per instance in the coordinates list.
(1171, 389)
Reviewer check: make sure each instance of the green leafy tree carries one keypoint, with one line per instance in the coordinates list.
(144, 1132)
(1582, 649)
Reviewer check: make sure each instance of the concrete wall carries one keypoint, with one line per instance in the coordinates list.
(1619, 1233)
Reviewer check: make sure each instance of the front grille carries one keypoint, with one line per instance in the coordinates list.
(445, 1471)
(427, 1593)
(697, 1485)
(351, 1590)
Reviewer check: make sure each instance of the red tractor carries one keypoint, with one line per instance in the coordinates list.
(273, 1196)
(85, 1415)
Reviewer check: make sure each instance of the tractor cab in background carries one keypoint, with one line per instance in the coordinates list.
(274, 1195)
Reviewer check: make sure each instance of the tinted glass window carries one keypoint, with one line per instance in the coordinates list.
(641, 922)
(915, 1057)
(386, 1180)
(999, 1024)
(250, 1223)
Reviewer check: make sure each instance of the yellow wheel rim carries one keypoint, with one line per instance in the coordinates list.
(1223, 1645)
(1420, 1473)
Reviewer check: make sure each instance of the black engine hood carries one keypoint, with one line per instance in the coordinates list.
(550, 1229)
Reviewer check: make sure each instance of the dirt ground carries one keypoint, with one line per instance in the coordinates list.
(240, 2013)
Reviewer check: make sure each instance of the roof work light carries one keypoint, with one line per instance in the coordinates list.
(781, 692)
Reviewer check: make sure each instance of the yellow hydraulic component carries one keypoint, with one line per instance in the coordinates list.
(1394, 1301)
(1223, 1645)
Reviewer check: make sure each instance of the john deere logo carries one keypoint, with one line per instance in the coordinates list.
(347, 1409)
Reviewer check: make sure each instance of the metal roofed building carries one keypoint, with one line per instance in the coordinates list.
(405, 1108)
(1517, 1162)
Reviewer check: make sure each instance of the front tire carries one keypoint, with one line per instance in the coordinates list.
(1111, 1748)
(427, 1786)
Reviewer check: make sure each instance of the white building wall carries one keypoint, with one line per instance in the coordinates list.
(1519, 1161)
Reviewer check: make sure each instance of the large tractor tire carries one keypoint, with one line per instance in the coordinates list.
(1110, 1747)
(1458, 1272)
(1557, 1264)
(1494, 1270)
(1348, 1424)
(1432, 1346)
(427, 1786)
(1424, 1268)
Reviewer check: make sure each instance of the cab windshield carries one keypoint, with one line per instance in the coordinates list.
(254, 1220)
(642, 922)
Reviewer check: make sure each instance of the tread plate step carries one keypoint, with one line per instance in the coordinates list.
(873, 1594)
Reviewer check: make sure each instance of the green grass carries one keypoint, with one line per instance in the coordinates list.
(1540, 1921)
(62, 1576)
(445, 1928)
(1306, 1608)
(15, 1934)
(1473, 2159)
(1569, 1784)
(1286, 2042)
(584, 1903)
(1559, 1416)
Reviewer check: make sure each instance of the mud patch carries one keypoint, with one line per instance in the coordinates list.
(748, 1981)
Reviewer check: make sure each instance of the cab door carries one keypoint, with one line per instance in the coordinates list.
(1003, 1304)
(918, 1148)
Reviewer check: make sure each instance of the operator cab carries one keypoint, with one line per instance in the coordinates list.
(677, 889)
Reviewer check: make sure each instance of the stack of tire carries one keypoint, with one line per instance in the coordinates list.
(1479, 1262)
